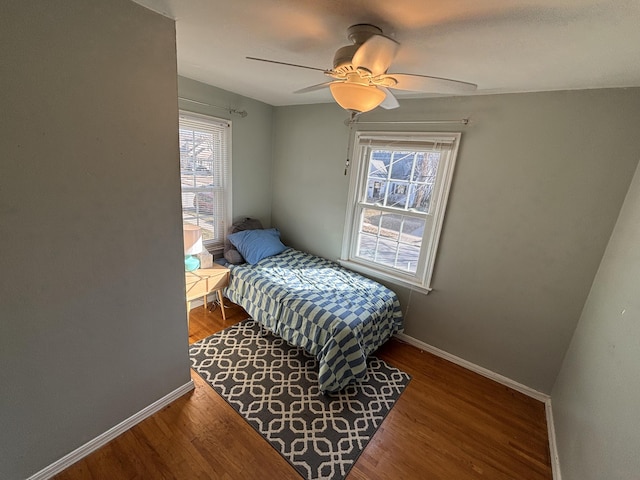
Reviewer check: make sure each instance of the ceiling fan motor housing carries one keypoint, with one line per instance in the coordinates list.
(361, 32)
(358, 34)
(342, 58)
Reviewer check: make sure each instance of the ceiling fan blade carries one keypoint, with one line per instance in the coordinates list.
(424, 83)
(313, 88)
(390, 102)
(376, 54)
(287, 64)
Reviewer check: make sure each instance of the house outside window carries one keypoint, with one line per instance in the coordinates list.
(397, 199)
(205, 175)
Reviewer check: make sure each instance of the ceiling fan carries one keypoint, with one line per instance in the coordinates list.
(360, 78)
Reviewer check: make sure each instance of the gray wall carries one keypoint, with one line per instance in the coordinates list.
(92, 312)
(92, 323)
(309, 186)
(251, 145)
(597, 393)
(539, 182)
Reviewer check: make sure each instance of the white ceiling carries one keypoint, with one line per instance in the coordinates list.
(501, 45)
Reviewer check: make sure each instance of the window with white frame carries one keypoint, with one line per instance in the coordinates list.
(397, 199)
(205, 174)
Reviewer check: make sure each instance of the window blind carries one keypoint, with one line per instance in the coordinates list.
(205, 171)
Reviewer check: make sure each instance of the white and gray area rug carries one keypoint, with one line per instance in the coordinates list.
(274, 387)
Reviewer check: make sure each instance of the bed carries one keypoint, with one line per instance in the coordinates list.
(335, 314)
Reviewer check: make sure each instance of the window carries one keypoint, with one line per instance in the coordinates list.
(205, 174)
(397, 199)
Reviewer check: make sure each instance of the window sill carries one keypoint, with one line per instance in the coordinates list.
(377, 274)
(215, 251)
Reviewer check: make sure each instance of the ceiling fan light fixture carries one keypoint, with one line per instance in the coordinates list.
(356, 97)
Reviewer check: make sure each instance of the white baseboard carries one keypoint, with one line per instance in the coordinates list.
(543, 397)
(92, 445)
(553, 446)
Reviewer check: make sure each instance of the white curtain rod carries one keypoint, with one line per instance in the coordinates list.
(463, 121)
(242, 113)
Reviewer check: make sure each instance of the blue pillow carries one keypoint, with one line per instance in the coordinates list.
(254, 245)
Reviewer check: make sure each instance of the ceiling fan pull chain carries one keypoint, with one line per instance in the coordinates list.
(347, 162)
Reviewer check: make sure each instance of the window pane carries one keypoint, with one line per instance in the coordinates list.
(386, 252)
(203, 213)
(420, 197)
(426, 166)
(424, 178)
(397, 196)
(408, 258)
(401, 165)
(376, 189)
(412, 230)
(402, 179)
(367, 246)
(390, 239)
(370, 221)
(379, 164)
(390, 224)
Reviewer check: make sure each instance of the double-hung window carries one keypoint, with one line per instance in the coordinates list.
(205, 174)
(397, 200)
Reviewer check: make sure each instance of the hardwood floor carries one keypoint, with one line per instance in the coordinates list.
(449, 424)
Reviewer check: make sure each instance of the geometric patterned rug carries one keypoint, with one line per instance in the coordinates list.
(274, 387)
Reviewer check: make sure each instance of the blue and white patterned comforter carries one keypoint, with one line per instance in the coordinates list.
(333, 313)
